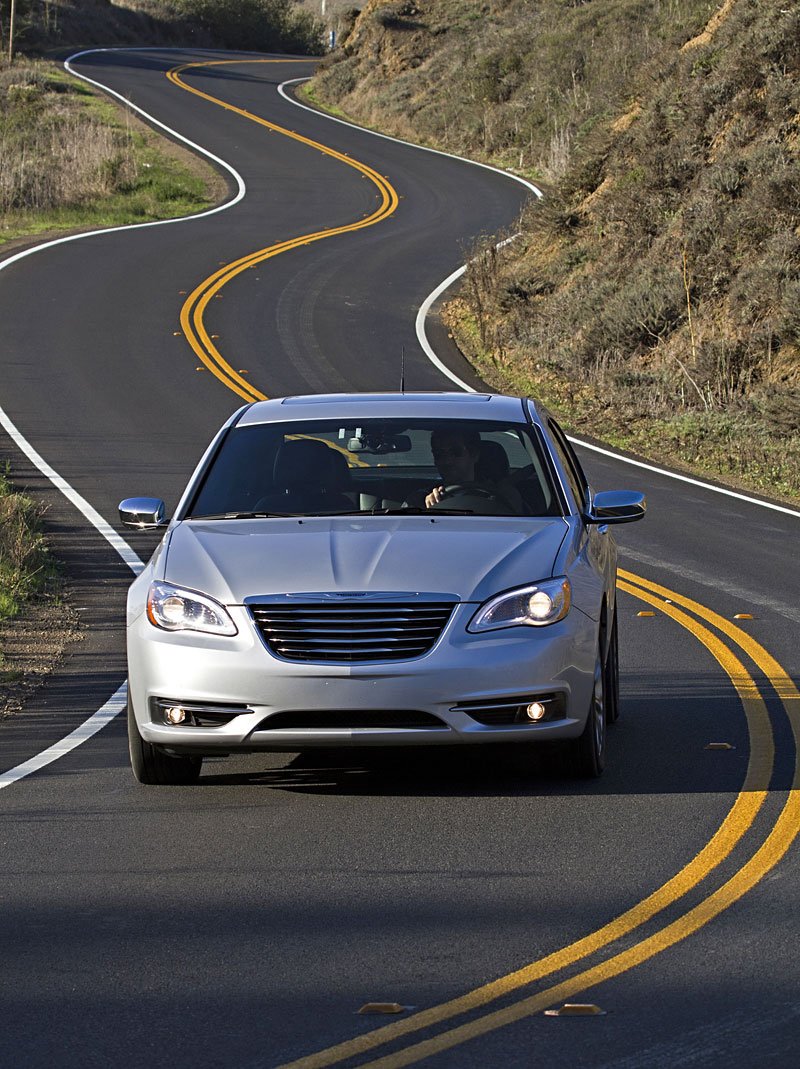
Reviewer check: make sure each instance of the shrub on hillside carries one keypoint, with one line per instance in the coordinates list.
(259, 25)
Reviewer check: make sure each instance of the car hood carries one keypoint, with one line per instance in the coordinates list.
(469, 557)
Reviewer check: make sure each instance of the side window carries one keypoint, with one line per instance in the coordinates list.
(577, 480)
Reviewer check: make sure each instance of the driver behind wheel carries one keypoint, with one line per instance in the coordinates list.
(457, 454)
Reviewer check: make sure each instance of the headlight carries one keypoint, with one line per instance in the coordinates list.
(172, 608)
(535, 606)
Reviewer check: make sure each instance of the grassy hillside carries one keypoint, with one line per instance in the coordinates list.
(260, 25)
(72, 159)
(653, 297)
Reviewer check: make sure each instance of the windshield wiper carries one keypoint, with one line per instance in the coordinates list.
(346, 512)
(246, 515)
(417, 510)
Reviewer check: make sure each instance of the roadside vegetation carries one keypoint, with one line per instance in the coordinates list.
(653, 295)
(26, 566)
(71, 160)
(25, 563)
(257, 25)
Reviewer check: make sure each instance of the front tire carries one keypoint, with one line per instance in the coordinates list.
(152, 767)
(587, 753)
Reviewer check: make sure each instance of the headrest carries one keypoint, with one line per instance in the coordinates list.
(492, 463)
(303, 463)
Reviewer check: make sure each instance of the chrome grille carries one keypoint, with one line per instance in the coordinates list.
(346, 632)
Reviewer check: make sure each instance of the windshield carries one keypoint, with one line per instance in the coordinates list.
(378, 466)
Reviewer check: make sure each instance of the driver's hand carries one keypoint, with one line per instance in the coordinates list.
(437, 494)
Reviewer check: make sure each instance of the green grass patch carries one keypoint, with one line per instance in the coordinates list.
(25, 561)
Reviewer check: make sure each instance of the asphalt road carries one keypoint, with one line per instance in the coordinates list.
(243, 922)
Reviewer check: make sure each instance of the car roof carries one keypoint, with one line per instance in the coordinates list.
(355, 406)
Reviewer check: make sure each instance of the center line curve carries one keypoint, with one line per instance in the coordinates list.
(194, 307)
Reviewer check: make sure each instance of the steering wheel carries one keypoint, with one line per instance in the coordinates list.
(473, 491)
(470, 496)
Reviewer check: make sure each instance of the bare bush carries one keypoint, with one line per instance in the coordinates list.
(554, 167)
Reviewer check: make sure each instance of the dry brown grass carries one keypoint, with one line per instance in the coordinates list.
(25, 563)
(56, 151)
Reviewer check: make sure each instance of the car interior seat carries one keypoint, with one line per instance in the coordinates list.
(307, 477)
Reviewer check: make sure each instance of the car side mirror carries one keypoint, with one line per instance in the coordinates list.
(616, 506)
(143, 513)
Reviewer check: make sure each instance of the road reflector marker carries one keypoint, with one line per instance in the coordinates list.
(177, 334)
(382, 1007)
(744, 616)
(214, 337)
(181, 293)
(576, 1009)
(199, 368)
(645, 612)
(243, 371)
(720, 746)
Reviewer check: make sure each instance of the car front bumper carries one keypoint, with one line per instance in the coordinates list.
(523, 663)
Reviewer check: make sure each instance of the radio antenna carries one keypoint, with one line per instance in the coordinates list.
(403, 369)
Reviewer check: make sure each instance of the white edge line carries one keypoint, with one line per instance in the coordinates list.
(440, 289)
(81, 504)
(96, 722)
(116, 703)
(386, 137)
(684, 478)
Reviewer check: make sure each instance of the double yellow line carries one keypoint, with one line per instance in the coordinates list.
(738, 820)
(696, 618)
(194, 308)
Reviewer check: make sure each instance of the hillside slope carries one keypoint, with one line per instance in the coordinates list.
(266, 25)
(654, 297)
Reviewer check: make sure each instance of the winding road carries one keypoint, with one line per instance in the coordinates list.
(245, 921)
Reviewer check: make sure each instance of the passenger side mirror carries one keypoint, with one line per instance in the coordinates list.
(616, 506)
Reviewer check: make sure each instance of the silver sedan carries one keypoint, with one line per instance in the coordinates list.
(376, 570)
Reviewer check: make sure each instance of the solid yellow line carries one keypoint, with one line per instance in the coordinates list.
(194, 307)
(740, 817)
(769, 854)
(774, 847)
(765, 661)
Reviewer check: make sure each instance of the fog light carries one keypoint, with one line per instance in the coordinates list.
(536, 711)
(174, 714)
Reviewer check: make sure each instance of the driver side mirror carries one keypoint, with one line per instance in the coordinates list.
(142, 513)
(616, 506)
